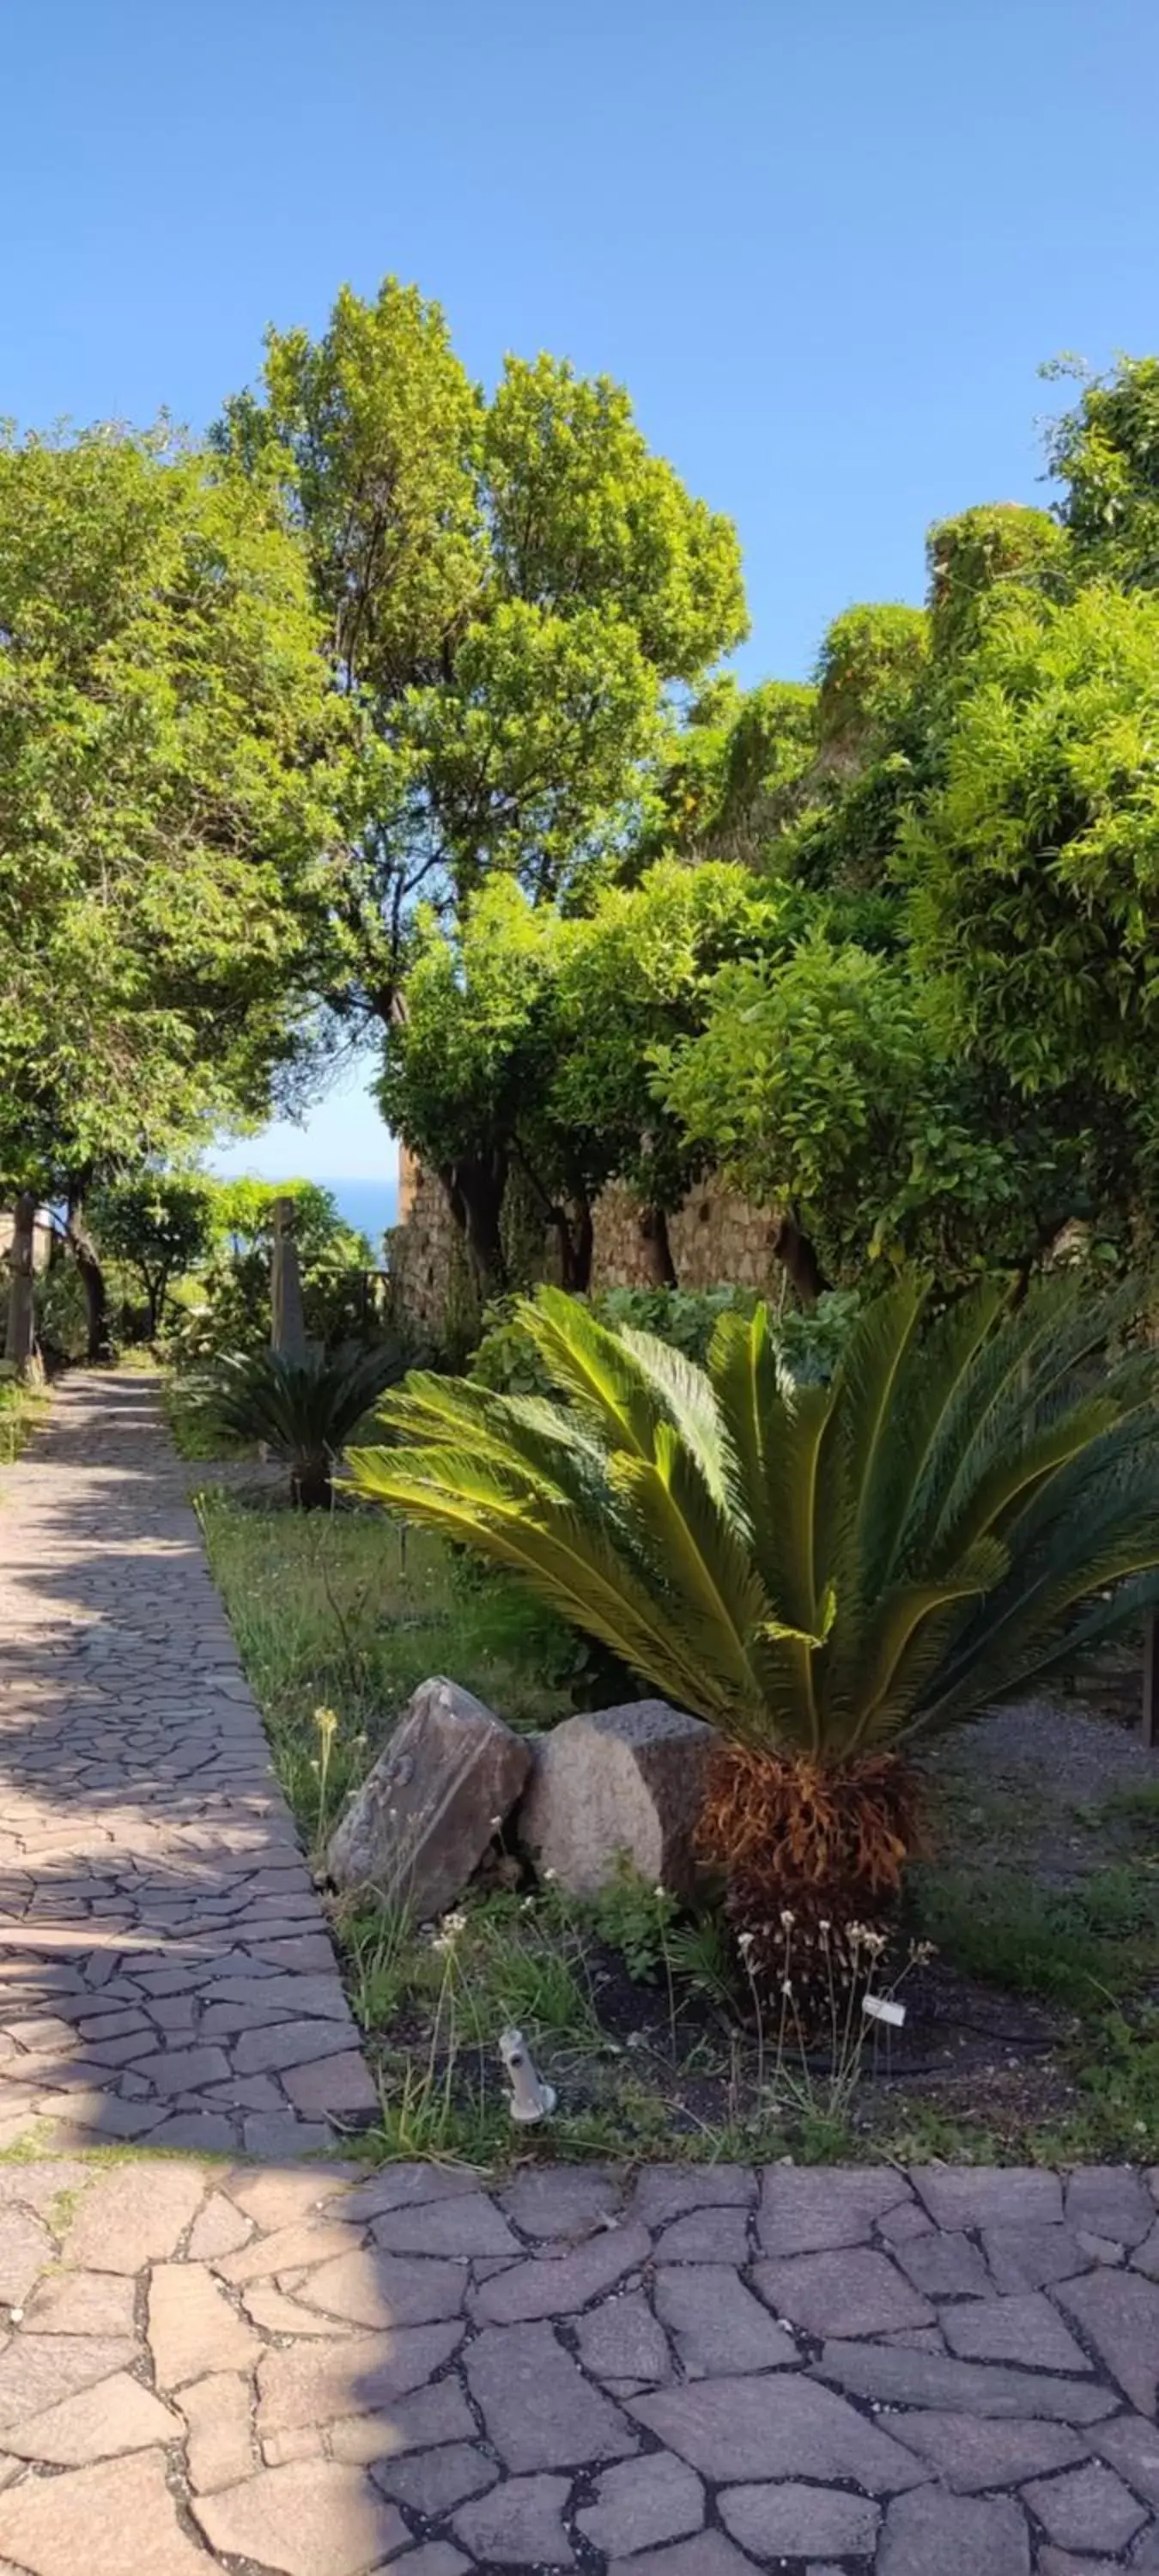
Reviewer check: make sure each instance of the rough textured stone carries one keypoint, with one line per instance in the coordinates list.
(54, 2526)
(988, 2196)
(705, 2236)
(969, 2452)
(1119, 2314)
(709, 2554)
(944, 2267)
(220, 2446)
(744, 2430)
(386, 2289)
(435, 2414)
(792, 2521)
(850, 2292)
(622, 1781)
(290, 2249)
(899, 2378)
(419, 1825)
(664, 2192)
(134, 2214)
(717, 2324)
(1024, 2329)
(25, 2248)
(518, 2525)
(970, 2535)
(1031, 2257)
(1111, 2201)
(219, 2228)
(115, 2415)
(312, 2518)
(562, 2200)
(432, 2482)
(539, 2410)
(466, 2225)
(1132, 2445)
(192, 2328)
(37, 2370)
(1088, 2508)
(84, 2303)
(807, 2209)
(620, 2339)
(359, 2375)
(556, 2285)
(641, 2503)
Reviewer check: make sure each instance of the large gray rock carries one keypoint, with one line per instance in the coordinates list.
(623, 1784)
(421, 1822)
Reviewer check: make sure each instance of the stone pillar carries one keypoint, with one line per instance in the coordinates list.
(20, 1337)
(287, 1320)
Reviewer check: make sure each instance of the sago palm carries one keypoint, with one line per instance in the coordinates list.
(302, 1410)
(819, 1571)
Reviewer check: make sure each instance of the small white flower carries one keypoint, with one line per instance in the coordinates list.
(745, 1941)
(658, 1890)
(787, 1920)
(549, 1875)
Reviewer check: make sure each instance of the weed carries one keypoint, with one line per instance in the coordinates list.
(636, 1919)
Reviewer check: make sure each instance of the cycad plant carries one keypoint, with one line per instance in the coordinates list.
(302, 1410)
(820, 1571)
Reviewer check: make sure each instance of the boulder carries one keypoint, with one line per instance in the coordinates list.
(421, 1822)
(623, 1784)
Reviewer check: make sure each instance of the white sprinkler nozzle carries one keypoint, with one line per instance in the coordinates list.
(530, 2098)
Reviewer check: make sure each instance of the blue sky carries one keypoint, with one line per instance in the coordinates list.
(825, 244)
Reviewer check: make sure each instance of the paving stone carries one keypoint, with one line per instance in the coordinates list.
(289, 2249)
(944, 2267)
(220, 2444)
(219, 2228)
(620, 2339)
(706, 2236)
(717, 2324)
(851, 2292)
(1112, 2201)
(793, 2521)
(987, 2389)
(401, 2186)
(432, 2482)
(54, 2526)
(25, 2248)
(468, 2224)
(437, 2559)
(277, 2314)
(563, 2200)
(133, 2215)
(283, 2198)
(1119, 2313)
(314, 2518)
(1024, 2329)
(435, 2414)
(709, 2554)
(360, 2374)
(968, 2535)
(664, 2192)
(207, 2133)
(1132, 2445)
(333, 2086)
(1145, 2257)
(269, 2133)
(971, 2452)
(373, 2289)
(1087, 2508)
(1033, 2256)
(988, 2196)
(82, 2303)
(518, 2525)
(38, 2370)
(555, 2285)
(539, 2410)
(640, 2503)
(807, 2209)
(192, 2328)
(117, 2414)
(748, 2429)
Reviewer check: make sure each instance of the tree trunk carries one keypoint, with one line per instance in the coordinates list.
(576, 1244)
(287, 1318)
(799, 1257)
(659, 1266)
(20, 1338)
(84, 1252)
(475, 1185)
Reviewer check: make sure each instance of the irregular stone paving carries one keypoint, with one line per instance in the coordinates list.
(261, 2365)
(293, 2368)
(165, 1973)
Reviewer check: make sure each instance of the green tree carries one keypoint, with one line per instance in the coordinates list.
(172, 758)
(513, 586)
(159, 1224)
(1106, 451)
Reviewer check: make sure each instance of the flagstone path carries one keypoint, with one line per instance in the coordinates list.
(243, 2362)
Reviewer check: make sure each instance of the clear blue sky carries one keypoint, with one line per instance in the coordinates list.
(825, 244)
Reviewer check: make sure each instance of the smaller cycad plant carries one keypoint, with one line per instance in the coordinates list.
(303, 1411)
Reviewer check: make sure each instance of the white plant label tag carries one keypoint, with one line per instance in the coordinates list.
(879, 2008)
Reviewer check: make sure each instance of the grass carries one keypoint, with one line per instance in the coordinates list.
(21, 1409)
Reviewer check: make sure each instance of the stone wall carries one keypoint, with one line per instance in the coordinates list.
(716, 1236)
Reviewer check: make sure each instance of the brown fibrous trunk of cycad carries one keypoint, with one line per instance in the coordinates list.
(807, 1849)
(311, 1489)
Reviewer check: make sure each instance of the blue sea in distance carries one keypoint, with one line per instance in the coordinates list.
(369, 1205)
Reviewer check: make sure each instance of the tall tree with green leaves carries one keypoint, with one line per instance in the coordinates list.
(173, 758)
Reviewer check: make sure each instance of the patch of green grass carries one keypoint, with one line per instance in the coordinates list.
(1074, 1946)
(21, 1409)
(341, 1611)
(1133, 1806)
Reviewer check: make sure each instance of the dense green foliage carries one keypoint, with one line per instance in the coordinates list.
(815, 1569)
(302, 1411)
